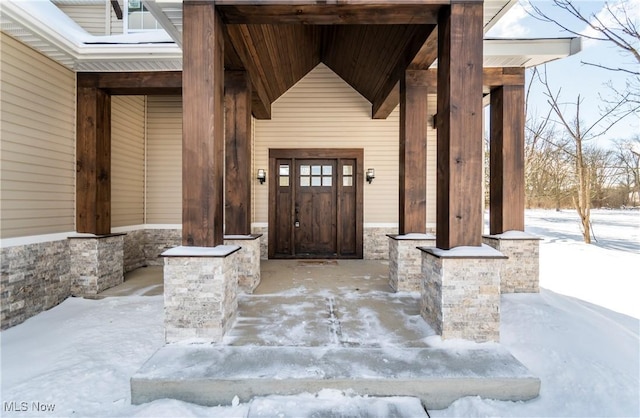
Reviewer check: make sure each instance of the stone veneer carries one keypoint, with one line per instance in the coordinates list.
(33, 278)
(521, 272)
(376, 243)
(157, 241)
(96, 263)
(248, 260)
(134, 256)
(405, 261)
(200, 292)
(263, 231)
(461, 292)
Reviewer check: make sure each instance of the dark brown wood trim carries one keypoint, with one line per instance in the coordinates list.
(93, 161)
(134, 83)
(238, 178)
(202, 126)
(506, 160)
(261, 105)
(330, 12)
(423, 40)
(413, 155)
(460, 150)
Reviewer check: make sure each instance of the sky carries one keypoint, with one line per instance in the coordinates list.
(570, 74)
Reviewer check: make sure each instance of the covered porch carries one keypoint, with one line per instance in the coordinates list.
(239, 58)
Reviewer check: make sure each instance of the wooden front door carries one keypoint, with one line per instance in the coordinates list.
(315, 206)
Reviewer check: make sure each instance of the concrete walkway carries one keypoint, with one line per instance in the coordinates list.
(326, 324)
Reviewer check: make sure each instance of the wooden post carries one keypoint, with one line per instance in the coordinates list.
(459, 162)
(238, 178)
(413, 153)
(506, 160)
(93, 158)
(202, 126)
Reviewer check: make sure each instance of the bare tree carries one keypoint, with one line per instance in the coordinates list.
(567, 116)
(627, 164)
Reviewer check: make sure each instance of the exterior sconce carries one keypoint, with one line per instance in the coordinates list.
(262, 176)
(371, 174)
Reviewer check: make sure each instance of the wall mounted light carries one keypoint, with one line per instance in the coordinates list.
(371, 174)
(262, 176)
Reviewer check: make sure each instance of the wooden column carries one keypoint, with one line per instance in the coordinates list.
(459, 162)
(413, 153)
(93, 158)
(238, 178)
(202, 126)
(506, 159)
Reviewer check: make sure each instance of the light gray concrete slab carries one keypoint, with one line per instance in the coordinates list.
(214, 375)
(145, 281)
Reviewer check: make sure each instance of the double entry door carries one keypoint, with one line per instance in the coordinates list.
(315, 203)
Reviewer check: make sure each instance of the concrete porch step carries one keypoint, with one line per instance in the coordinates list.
(213, 375)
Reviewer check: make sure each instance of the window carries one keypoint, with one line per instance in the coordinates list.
(316, 175)
(139, 19)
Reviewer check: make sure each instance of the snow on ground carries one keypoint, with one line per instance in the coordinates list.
(79, 356)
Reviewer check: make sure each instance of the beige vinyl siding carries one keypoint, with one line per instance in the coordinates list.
(432, 141)
(37, 142)
(117, 25)
(127, 160)
(91, 17)
(164, 160)
(322, 111)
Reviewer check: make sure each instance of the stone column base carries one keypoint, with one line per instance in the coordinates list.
(461, 292)
(200, 292)
(248, 260)
(521, 272)
(96, 263)
(405, 261)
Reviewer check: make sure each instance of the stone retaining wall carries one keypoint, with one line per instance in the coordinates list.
(376, 243)
(405, 261)
(33, 278)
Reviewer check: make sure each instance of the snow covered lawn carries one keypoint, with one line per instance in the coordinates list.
(76, 359)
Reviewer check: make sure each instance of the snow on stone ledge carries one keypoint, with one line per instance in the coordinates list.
(413, 236)
(219, 251)
(483, 251)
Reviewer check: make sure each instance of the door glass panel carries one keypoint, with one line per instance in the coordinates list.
(347, 170)
(315, 170)
(284, 181)
(347, 181)
(326, 170)
(305, 170)
(304, 181)
(326, 181)
(284, 169)
(315, 181)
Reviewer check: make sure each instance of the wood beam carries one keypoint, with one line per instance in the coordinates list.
(503, 76)
(460, 150)
(506, 160)
(238, 178)
(388, 96)
(413, 156)
(331, 12)
(239, 38)
(93, 160)
(202, 126)
(135, 83)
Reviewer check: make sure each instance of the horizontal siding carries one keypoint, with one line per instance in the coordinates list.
(91, 17)
(117, 25)
(322, 111)
(37, 143)
(164, 160)
(127, 160)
